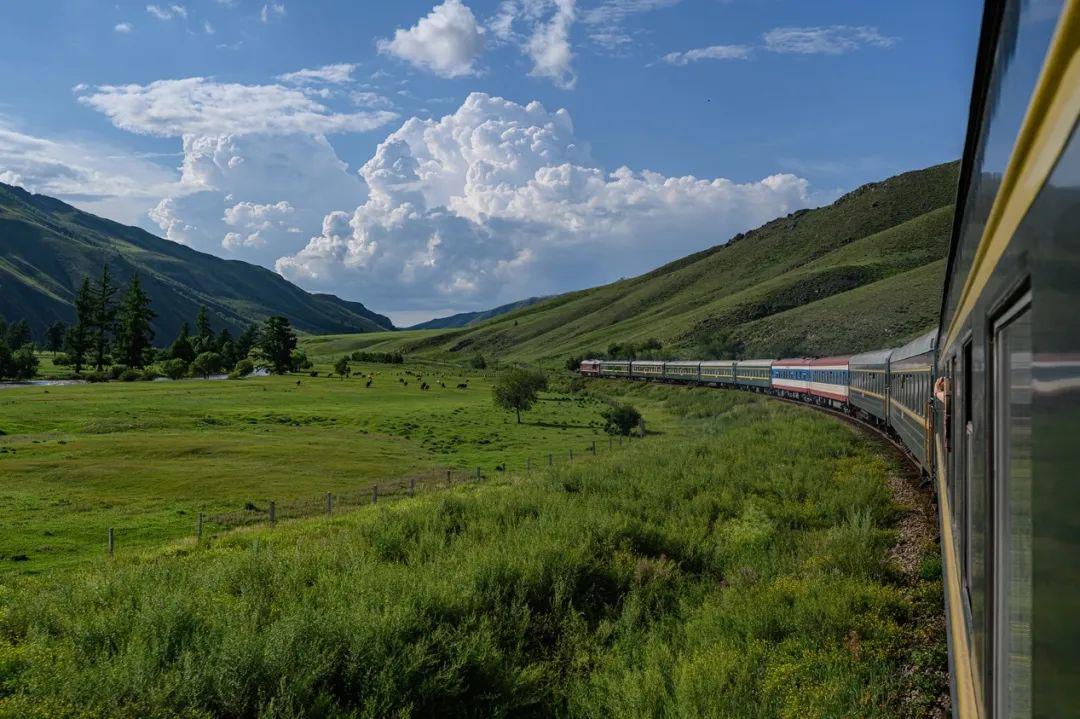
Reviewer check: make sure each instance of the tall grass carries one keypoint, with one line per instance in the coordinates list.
(738, 573)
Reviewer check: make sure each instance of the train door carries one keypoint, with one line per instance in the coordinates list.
(1012, 483)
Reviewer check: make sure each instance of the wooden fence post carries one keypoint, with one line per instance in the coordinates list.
(329, 503)
(112, 544)
(477, 474)
(412, 485)
(374, 493)
(551, 459)
(448, 478)
(273, 513)
(198, 528)
(594, 447)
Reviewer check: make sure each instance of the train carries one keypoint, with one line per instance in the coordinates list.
(988, 402)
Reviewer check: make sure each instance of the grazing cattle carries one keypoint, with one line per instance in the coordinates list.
(297, 383)
(368, 383)
(463, 385)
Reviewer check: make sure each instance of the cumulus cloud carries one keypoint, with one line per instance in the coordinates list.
(336, 74)
(446, 42)
(713, 52)
(831, 40)
(198, 105)
(500, 200)
(256, 196)
(541, 29)
(124, 27)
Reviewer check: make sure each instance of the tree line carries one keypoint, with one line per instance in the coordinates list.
(113, 337)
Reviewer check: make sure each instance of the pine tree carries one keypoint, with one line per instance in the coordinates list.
(181, 348)
(78, 336)
(134, 334)
(247, 341)
(54, 336)
(278, 342)
(18, 335)
(226, 347)
(104, 316)
(204, 333)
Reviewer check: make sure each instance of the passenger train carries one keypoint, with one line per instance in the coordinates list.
(988, 404)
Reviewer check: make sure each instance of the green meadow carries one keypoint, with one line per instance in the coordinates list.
(741, 562)
(145, 458)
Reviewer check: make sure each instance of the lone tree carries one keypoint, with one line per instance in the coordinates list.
(134, 335)
(621, 418)
(516, 389)
(277, 343)
(341, 367)
(206, 364)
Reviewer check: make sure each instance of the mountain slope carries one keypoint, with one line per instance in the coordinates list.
(808, 273)
(47, 247)
(465, 319)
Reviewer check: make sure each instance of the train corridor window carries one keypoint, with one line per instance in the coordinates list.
(1012, 510)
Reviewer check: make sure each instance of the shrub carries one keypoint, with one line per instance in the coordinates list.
(62, 360)
(242, 369)
(149, 375)
(96, 376)
(130, 375)
(477, 361)
(621, 418)
(116, 370)
(174, 368)
(206, 364)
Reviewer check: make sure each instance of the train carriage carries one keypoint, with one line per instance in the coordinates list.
(615, 368)
(647, 369)
(868, 384)
(1008, 403)
(682, 371)
(754, 373)
(911, 376)
(718, 371)
(791, 377)
(829, 381)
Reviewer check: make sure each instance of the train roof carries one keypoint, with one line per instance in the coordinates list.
(830, 361)
(918, 346)
(648, 361)
(756, 363)
(793, 362)
(877, 358)
(717, 363)
(686, 363)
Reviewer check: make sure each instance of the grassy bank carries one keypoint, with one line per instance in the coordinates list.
(739, 568)
(147, 457)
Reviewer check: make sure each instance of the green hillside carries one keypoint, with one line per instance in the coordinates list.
(862, 273)
(47, 247)
(464, 319)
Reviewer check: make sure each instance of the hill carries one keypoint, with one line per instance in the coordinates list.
(465, 319)
(47, 247)
(861, 273)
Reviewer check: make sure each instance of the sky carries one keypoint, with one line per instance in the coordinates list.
(426, 158)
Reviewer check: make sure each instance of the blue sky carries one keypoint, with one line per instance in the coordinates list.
(407, 169)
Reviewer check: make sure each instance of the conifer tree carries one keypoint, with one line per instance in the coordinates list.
(104, 316)
(134, 334)
(78, 337)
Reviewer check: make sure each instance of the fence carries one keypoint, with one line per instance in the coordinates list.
(269, 512)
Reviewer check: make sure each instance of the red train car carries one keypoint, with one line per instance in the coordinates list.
(590, 368)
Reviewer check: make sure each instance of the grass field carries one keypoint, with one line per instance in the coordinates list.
(147, 457)
(740, 564)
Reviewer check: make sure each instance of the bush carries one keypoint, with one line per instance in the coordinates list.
(149, 375)
(242, 369)
(206, 364)
(174, 368)
(621, 419)
(130, 375)
(478, 362)
(62, 360)
(377, 357)
(96, 376)
(116, 370)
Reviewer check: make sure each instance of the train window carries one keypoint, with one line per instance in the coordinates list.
(1012, 511)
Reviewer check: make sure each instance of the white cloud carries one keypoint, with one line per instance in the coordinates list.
(499, 201)
(96, 178)
(831, 40)
(446, 42)
(336, 74)
(208, 29)
(162, 12)
(606, 21)
(272, 10)
(549, 47)
(545, 38)
(124, 27)
(200, 106)
(713, 52)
